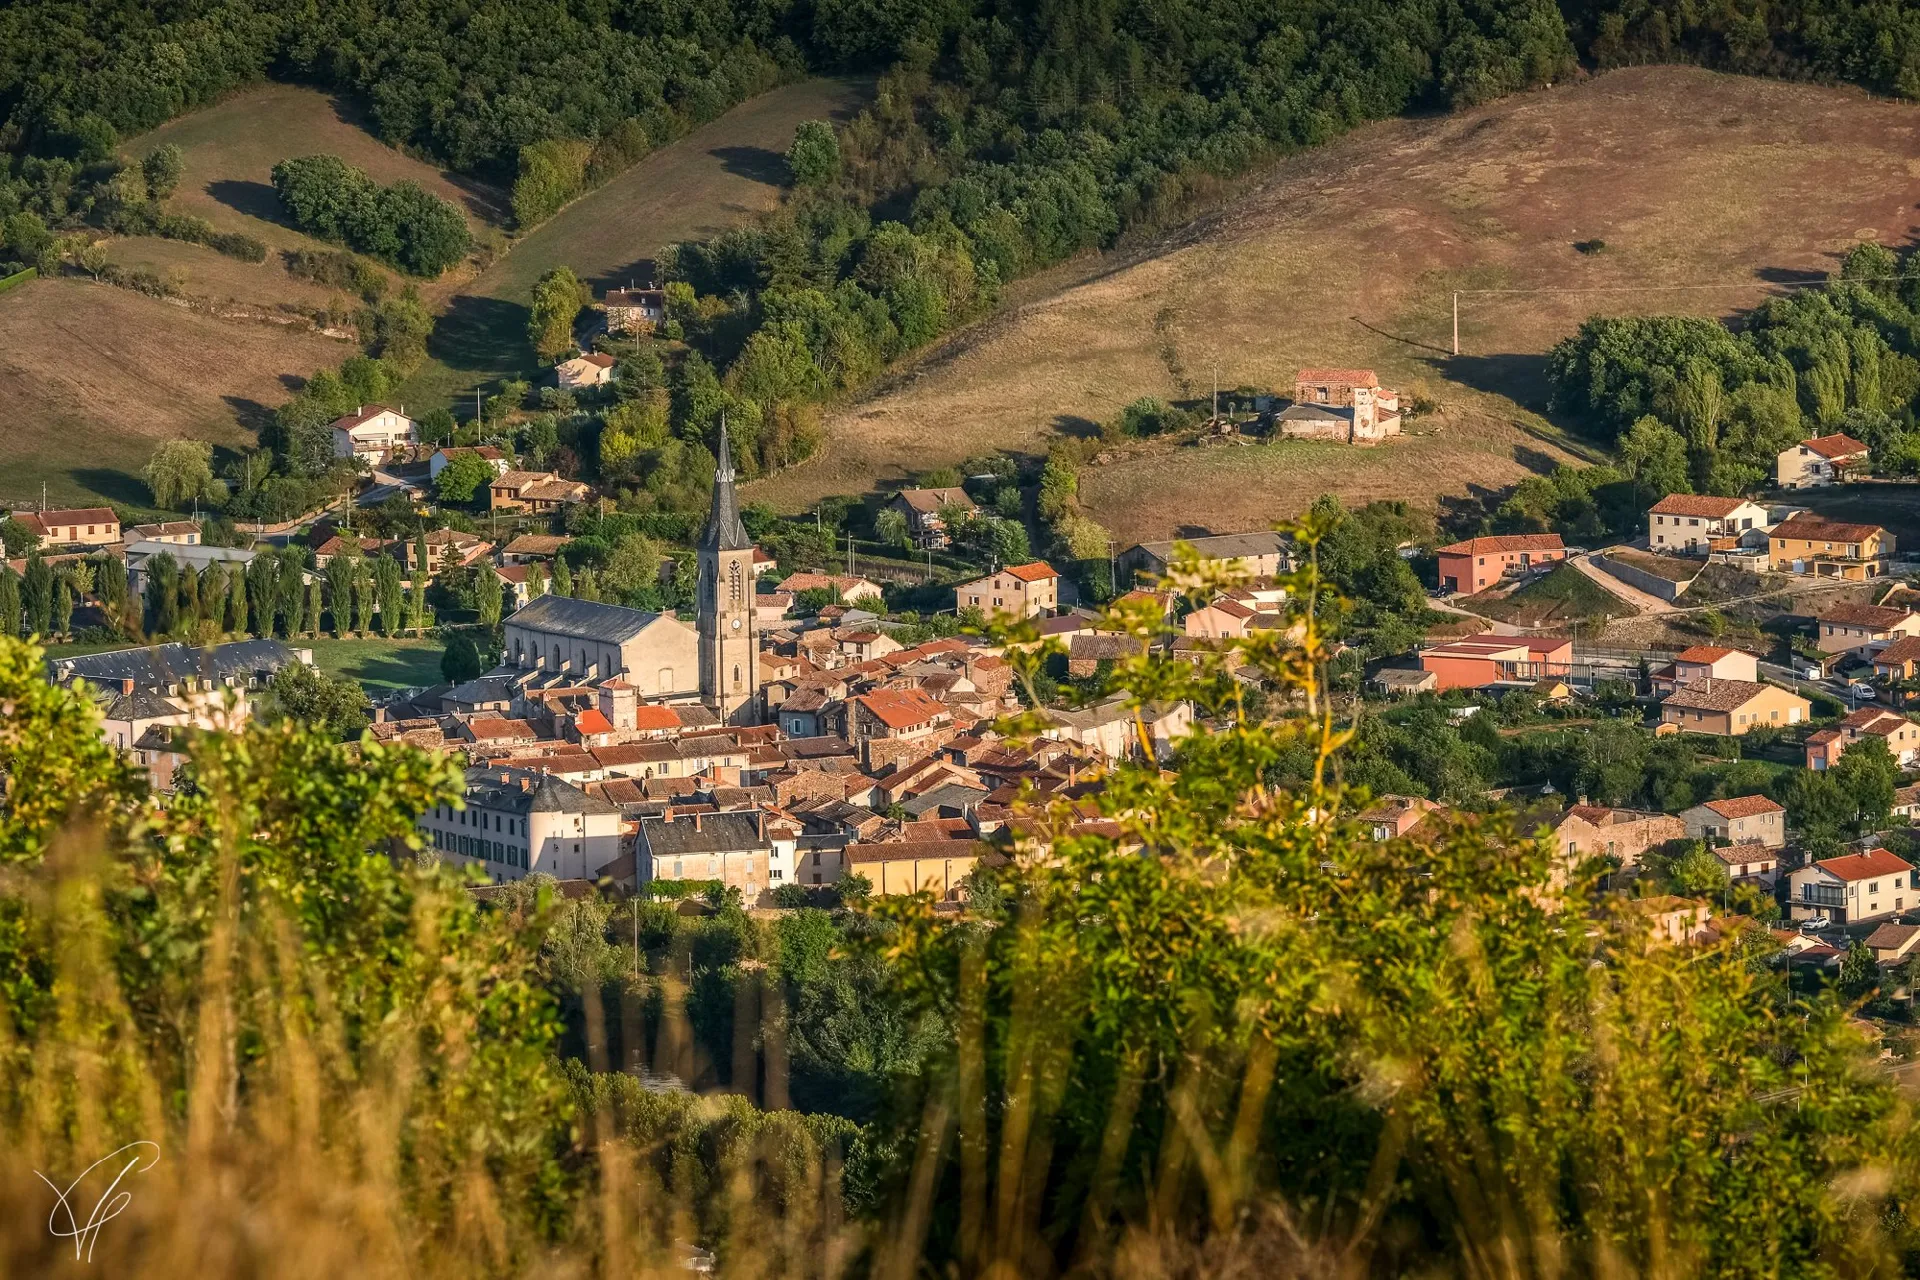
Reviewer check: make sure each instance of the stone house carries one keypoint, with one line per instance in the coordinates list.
(1348, 405)
(534, 491)
(1737, 820)
(923, 508)
(1017, 591)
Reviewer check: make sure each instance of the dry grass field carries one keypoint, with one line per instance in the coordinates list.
(1347, 256)
(93, 377)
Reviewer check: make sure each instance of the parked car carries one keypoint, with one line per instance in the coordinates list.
(1814, 924)
(1861, 690)
(1811, 672)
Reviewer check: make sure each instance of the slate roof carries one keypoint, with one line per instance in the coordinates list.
(724, 531)
(156, 666)
(713, 833)
(583, 619)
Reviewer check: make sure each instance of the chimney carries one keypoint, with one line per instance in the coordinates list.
(126, 685)
(667, 814)
(696, 821)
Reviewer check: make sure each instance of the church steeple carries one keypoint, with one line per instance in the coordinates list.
(729, 630)
(724, 531)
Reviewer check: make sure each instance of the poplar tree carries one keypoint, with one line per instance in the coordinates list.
(36, 593)
(9, 600)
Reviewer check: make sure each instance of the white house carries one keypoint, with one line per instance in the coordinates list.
(372, 431)
(1853, 888)
(516, 822)
(1689, 522)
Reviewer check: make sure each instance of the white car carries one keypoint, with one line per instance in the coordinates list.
(1861, 690)
(1814, 924)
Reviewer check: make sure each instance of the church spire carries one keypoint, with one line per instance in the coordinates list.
(724, 532)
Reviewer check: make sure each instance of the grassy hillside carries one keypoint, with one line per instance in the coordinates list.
(1348, 255)
(93, 377)
(1561, 596)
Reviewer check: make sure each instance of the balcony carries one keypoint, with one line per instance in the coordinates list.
(1822, 895)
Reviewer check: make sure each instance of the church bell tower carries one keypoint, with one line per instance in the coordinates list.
(729, 638)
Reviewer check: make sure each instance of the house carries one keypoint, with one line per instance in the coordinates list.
(518, 821)
(1892, 943)
(1902, 736)
(197, 557)
(928, 510)
(655, 652)
(1749, 863)
(1085, 653)
(445, 549)
(1672, 920)
(1847, 627)
(1851, 889)
(74, 526)
(1017, 591)
(438, 460)
(372, 431)
(1393, 817)
(594, 369)
(841, 587)
(1478, 661)
(1737, 820)
(1705, 662)
(528, 547)
(1254, 555)
(736, 849)
(181, 533)
(1829, 548)
(1897, 662)
(1624, 835)
(936, 867)
(1691, 522)
(1822, 460)
(1470, 567)
(1731, 708)
(534, 491)
(1348, 405)
(1111, 728)
(635, 311)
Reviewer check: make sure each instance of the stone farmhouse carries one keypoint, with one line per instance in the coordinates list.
(1347, 405)
(534, 491)
(1017, 591)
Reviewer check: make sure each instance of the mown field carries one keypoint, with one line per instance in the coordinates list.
(1348, 255)
(381, 666)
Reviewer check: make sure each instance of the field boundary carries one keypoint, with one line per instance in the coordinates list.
(19, 278)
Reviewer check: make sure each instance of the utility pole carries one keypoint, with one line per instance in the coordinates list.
(1456, 322)
(1216, 392)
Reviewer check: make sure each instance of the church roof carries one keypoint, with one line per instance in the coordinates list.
(724, 531)
(583, 619)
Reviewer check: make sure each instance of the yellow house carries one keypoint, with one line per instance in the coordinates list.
(910, 866)
(1730, 708)
(1829, 548)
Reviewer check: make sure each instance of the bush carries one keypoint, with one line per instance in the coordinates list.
(402, 225)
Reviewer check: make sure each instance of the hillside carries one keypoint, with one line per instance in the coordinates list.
(1347, 255)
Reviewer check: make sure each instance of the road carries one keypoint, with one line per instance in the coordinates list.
(1646, 604)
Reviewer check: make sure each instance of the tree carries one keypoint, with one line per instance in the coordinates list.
(17, 538)
(9, 602)
(387, 585)
(163, 594)
(263, 593)
(1859, 972)
(162, 168)
(237, 600)
(890, 527)
(363, 595)
(340, 575)
(417, 597)
(1697, 872)
(1655, 455)
(557, 300)
(1867, 776)
(465, 476)
(316, 605)
(461, 661)
(310, 696)
(633, 566)
(36, 595)
(814, 157)
(536, 580)
(62, 606)
(487, 598)
(562, 577)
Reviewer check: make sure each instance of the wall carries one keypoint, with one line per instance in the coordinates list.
(1640, 580)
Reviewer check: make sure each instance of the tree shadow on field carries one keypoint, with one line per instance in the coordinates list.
(1075, 426)
(250, 414)
(638, 274)
(1521, 378)
(255, 199)
(481, 335)
(758, 163)
(113, 485)
(1535, 461)
(1192, 531)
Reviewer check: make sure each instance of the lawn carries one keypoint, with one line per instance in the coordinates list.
(1562, 595)
(1670, 568)
(1348, 255)
(381, 666)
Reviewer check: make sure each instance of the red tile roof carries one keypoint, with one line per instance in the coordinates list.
(1704, 653)
(1838, 445)
(1864, 866)
(652, 717)
(1875, 616)
(901, 708)
(1744, 806)
(1814, 529)
(1697, 504)
(1038, 571)
(1344, 377)
(1505, 542)
(591, 721)
(365, 413)
(41, 521)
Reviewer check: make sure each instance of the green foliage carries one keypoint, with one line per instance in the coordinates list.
(180, 472)
(551, 172)
(306, 695)
(557, 299)
(17, 538)
(162, 169)
(461, 661)
(814, 158)
(402, 225)
(464, 478)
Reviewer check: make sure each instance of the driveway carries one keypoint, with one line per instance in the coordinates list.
(1619, 590)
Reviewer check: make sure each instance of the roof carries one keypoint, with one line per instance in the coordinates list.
(485, 451)
(901, 708)
(140, 705)
(1037, 571)
(497, 727)
(1905, 649)
(1348, 377)
(554, 795)
(909, 850)
(1504, 542)
(535, 544)
(929, 501)
(156, 666)
(1697, 504)
(1704, 653)
(1744, 806)
(1814, 529)
(518, 480)
(1220, 546)
(635, 297)
(1878, 617)
(583, 619)
(1718, 695)
(709, 833)
(648, 717)
(1891, 936)
(598, 359)
(1838, 445)
(1864, 866)
(591, 721)
(42, 520)
(362, 415)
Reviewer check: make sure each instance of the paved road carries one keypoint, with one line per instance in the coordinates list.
(1619, 590)
(1496, 627)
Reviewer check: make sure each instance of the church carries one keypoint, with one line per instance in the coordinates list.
(716, 660)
